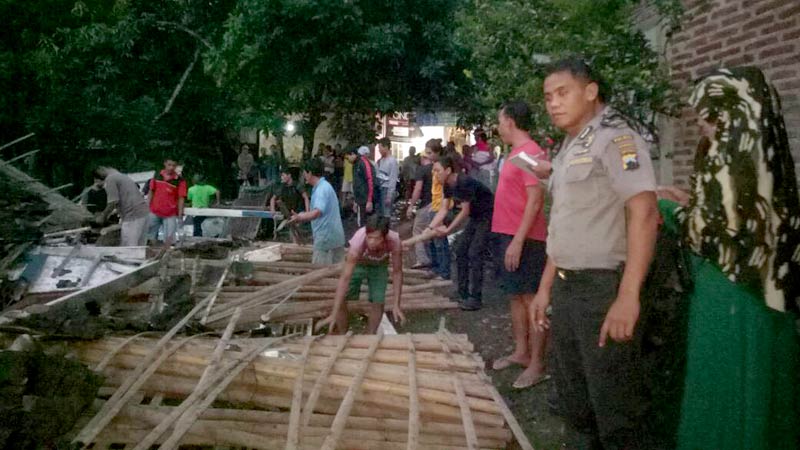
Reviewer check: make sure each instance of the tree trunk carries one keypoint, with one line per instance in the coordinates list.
(311, 121)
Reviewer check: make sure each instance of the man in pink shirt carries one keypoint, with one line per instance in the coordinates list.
(372, 249)
(520, 232)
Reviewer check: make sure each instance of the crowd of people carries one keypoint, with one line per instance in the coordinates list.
(573, 277)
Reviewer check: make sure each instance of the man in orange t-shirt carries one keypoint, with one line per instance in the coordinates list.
(520, 232)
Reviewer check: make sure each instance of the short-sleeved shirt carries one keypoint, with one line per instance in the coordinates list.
(437, 193)
(425, 174)
(379, 257)
(468, 189)
(290, 195)
(348, 171)
(327, 228)
(165, 190)
(594, 175)
(130, 202)
(512, 195)
(201, 194)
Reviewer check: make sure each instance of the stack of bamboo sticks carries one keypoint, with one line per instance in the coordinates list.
(295, 289)
(425, 391)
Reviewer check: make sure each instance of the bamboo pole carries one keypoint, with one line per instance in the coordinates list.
(339, 422)
(293, 434)
(215, 293)
(466, 413)
(135, 380)
(413, 399)
(219, 379)
(311, 402)
(190, 416)
(519, 434)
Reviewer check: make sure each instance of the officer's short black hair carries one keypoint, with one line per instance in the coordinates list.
(579, 68)
(292, 171)
(315, 167)
(377, 222)
(452, 161)
(520, 112)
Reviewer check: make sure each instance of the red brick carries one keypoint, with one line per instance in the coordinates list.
(697, 21)
(759, 21)
(726, 11)
(724, 33)
(776, 51)
(761, 43)
(682, 152)
(784, 62)
(738, 18)
(709, 48)
(746, 36)
(783, 74)
(788, 85)
(681, 57)
(697, 61)
(771, 6)
(731, 51)
(698, 42)
(790, 35)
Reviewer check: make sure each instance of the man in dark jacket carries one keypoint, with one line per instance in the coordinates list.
(366, 191)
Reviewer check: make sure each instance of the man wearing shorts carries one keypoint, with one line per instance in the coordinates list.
(371, 249)
(520, 232)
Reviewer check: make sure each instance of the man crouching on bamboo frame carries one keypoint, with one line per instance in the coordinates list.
(371, 248)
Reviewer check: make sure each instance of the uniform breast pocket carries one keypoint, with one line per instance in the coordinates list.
(580, 186)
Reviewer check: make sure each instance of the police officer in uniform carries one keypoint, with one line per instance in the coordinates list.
(601, 239)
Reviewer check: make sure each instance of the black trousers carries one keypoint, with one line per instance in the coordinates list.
(469, 257)
(600, 389)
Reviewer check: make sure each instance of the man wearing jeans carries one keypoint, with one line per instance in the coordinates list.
(423, 179)
(167, 195)
(124, 196)
(326, 221)
(476, 205)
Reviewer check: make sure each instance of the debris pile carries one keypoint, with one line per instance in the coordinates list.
(295, 289)
(355, 392)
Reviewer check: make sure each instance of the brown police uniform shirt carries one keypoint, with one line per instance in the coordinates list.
(593, 175)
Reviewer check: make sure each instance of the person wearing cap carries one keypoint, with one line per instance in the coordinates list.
(388, 174)
(365, 183)
(600, 242)
(422, 212)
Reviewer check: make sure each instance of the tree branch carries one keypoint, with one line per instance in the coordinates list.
(185, 30)
(179, 86)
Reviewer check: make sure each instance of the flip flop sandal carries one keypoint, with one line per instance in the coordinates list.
(504, 363)
(518, 385)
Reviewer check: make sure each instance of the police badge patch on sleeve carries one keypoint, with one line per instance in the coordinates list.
(630, 161)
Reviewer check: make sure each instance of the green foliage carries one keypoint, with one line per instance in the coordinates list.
(511, 42)
(93, 78)
(350, 58)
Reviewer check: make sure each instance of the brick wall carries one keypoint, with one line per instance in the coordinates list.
(729, 33)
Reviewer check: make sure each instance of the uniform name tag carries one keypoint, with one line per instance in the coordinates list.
(624, 137)
(576, 161)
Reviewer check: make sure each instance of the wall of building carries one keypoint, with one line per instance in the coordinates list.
(729, 33)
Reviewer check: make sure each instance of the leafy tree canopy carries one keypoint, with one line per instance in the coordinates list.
(512, 41)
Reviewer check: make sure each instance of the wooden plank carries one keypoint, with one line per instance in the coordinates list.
(413, 397)
(128, 389)
(311, 402)
(293, 435)
(340, 421)
(466, 413)
(512, 422)
(215, 293)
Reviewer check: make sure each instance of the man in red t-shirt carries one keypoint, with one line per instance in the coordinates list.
(520, 232)
(166, 196)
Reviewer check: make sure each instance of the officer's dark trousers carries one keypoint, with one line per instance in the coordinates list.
(469, 257)
(600, 388)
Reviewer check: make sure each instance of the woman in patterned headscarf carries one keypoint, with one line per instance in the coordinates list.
(742, 225)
